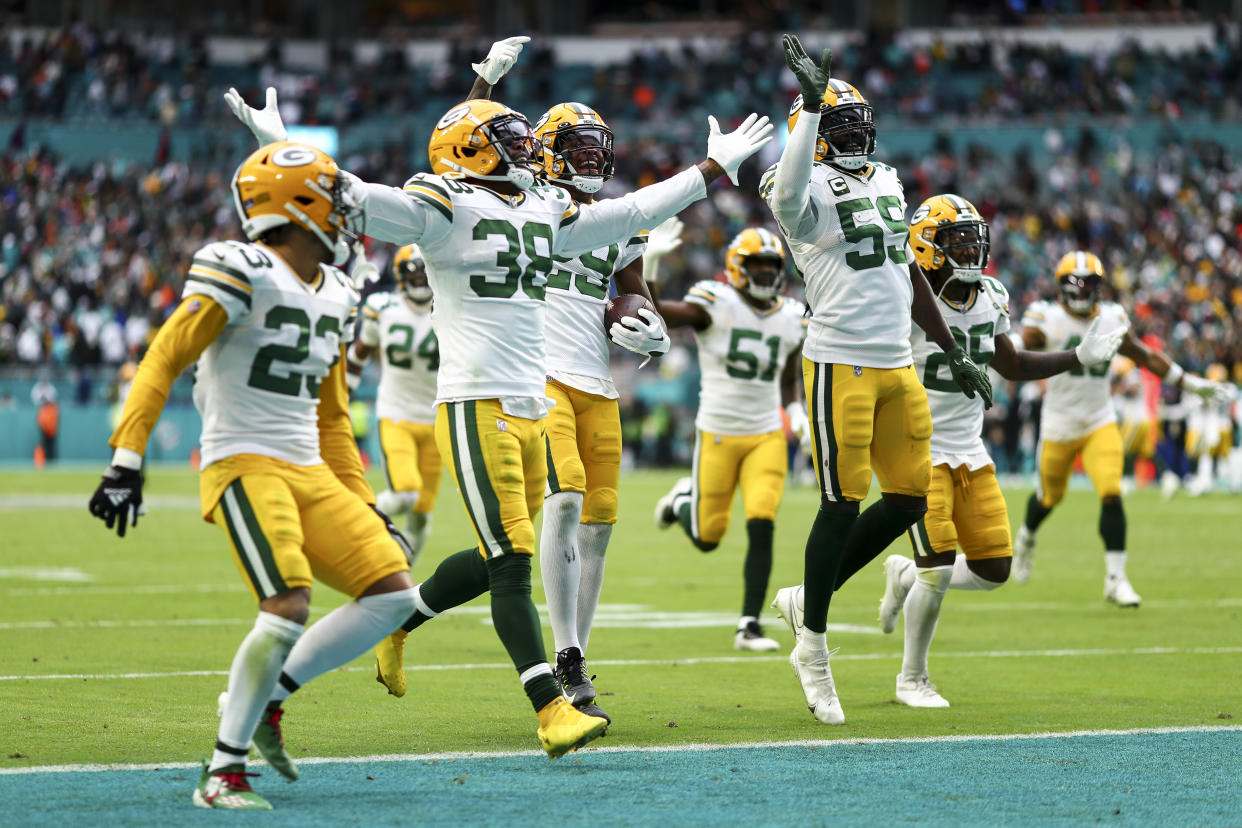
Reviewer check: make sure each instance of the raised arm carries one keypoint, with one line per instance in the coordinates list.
(661, 241)
(500, 59)
(1171, 373)
(1097, 347)
(790, 196)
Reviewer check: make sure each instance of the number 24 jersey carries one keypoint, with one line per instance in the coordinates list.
(409, 353)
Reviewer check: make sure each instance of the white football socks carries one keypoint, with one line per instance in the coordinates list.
(592, 547)
(344, 634)
(1115, 564)
(561, 565)
(255, 671)
(922, 611)
(417, 530)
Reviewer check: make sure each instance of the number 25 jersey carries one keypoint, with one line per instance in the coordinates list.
(409, 353)
(852, 249)
(257, 385)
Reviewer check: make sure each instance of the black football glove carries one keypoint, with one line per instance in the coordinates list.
(118, 499)
(396, 533)
(969, 377)
(813, 79)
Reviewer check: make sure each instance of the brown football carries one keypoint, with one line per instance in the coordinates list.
(627, 304)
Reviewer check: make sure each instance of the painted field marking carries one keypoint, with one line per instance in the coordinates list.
(843, 742)
(45, 573)
(675, 662)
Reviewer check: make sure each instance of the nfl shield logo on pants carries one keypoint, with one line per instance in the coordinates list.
(858, 370)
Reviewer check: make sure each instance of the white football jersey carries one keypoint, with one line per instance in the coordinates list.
(853, 253)
(957, 420)
(578, 346)
(409, 356)
(257, 385)
(741, 356)
(488, 259)
(1077, 402)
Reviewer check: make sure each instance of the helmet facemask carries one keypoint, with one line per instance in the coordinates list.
(847, 132)
(514, 141)
(411, 277)
(764, 275)
(964, 245)
(1080, 292)
(581, 156)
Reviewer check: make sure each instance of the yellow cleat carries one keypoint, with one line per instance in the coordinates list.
(390, 663)
(563, 729)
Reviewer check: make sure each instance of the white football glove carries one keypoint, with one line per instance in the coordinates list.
(363, 271)
(500, 58)
(265, 123)
(1098, 346)
(800, 425)
(664, 239)
(1213, 392)
(647, 338)
(730, 149)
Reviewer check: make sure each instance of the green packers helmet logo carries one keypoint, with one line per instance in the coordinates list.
(293, 156)
(453, 116)
(920, 214)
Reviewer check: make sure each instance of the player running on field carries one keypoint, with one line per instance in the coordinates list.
(396, 325)
(965, 506)
(1078, 417)
(488, 234)
(266, 322)
(844, 218)
(749, 340)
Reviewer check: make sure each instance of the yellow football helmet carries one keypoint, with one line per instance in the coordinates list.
(577, 146)
(947, 231)
(1216, 373)
(485, 140)
(409, 271)
(846, 129)
(291, 183)
(749, 247)
(1079, 275)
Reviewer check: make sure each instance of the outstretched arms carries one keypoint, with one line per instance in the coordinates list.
(790, 197)
(500, 59)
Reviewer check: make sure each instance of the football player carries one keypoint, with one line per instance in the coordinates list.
(488, 234)
(1078, 417)
(844, 218)
(1137, 416)
(397, 326)
(965, 507)
(749, 340)
(281, 475)
(1209, 433)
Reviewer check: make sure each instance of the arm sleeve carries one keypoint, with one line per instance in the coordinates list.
(193, 326)
(336, 434)
(789, 197)
(402, 216)
(589, 226)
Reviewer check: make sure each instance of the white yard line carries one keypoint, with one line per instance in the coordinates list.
(842, 743)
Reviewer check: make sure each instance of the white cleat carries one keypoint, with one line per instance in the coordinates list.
(1119, 591)
(1023, 553)
(894, 592)
(919, 692)
(815, 676)
(664, 514)
(751, 637)
(788, 605)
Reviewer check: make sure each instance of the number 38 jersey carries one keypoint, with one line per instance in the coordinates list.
(1078, 401)
(409, 353)
(257, 385)
(577, 293)
(957, 420)
(852, 249)
(741, 356)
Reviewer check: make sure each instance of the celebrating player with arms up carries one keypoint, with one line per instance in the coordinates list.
(397, 325)
(281, 472)
(1078, 416)
(965, 506)
(750, 348)
(844, 218)
(488, 235)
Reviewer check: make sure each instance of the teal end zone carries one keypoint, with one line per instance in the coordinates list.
(1152, 778)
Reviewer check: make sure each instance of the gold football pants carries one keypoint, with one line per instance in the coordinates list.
(584, 450)
(411, 461)
(757, 463)
(964, 508)
(1101, 459)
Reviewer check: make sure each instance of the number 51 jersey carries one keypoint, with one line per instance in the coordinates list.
(257, 385)
(957, 420)
(410, 355)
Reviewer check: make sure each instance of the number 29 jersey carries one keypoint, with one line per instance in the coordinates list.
(957, 420)
(741, 356)
(257, 385)
(409, 355)
(852, 250)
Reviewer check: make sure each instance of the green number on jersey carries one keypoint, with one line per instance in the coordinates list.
(972, 343)
(398, 351)
(873, 233)
(745, 365)
(593, 284)
(533, 279)
(429, 349)
(279, 317)
(1100, 370)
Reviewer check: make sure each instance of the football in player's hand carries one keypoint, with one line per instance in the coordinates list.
(627, 304)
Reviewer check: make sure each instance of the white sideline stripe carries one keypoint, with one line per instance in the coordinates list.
(45, 573)
(843, 742)
(676, 662)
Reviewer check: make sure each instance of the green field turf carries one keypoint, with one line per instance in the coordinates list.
(135, 651)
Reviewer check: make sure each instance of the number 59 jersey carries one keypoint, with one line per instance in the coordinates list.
(852, 249)
(957, 420)
(741, 357)
(409, 354)
(257, 385)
